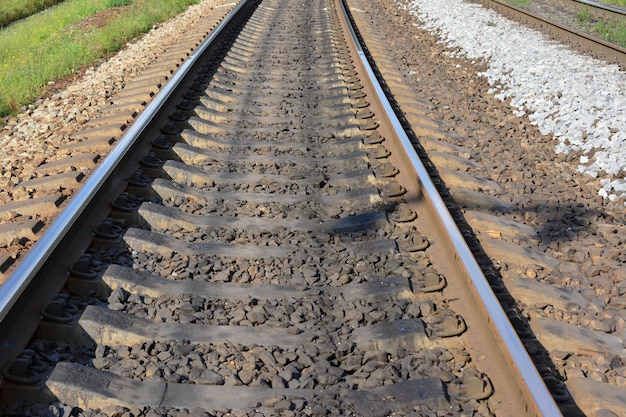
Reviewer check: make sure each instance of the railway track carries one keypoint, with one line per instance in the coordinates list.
(273, 254)
(547, 23)
(531, 228)
(604, 10)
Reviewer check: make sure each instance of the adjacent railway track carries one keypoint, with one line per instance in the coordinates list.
(605, 11)
(271, 244)
(589, 44)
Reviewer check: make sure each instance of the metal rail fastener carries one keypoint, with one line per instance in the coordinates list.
(28, 268)
(519, 358)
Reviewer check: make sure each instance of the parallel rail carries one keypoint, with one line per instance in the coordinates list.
(503, 333)
(32, 263)
(599, 48)
(603, 10)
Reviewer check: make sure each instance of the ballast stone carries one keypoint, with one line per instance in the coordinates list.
(593, 397)
(558, 335)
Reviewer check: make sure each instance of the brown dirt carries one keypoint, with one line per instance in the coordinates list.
(100, 19)
(95, 21)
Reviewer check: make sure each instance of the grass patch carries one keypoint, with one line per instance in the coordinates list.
(615, 2)
(52, 44)
(117, 3)
(583, 15)
(613, 32)
(522, 4)
(14, 10)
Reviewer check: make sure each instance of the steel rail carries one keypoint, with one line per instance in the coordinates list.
(28, 268)
(530, 381)
(597, 47)
(604, 10)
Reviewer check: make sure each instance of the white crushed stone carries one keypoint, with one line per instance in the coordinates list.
(578, 99)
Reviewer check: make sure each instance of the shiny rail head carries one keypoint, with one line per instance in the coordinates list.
(32, 263)
(536, 391)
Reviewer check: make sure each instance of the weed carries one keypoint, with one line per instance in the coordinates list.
(584, 15)
(522, 4)
(14, 10)
(117, 3)
(613, 32)
(50, 45)
(615, 2)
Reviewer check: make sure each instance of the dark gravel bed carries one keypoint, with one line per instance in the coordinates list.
(285, 136)
(317, 314)
(276, 168)
(276, 235)
(326, 266)
(265, 185)
(313, 365)
(273, 210)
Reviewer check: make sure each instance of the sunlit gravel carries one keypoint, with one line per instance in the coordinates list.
(581, 101)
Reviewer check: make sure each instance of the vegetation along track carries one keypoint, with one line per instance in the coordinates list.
(272, 264)
(605, 11)
(548, 18)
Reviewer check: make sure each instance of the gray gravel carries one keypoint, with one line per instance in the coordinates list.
(581, 101)
(33, 136)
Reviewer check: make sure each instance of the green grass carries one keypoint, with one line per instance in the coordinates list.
(613, 32)
(49, 45)
(584, 15)
(522, 4)
(14, 10)
(117, 3)
(615, 2)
